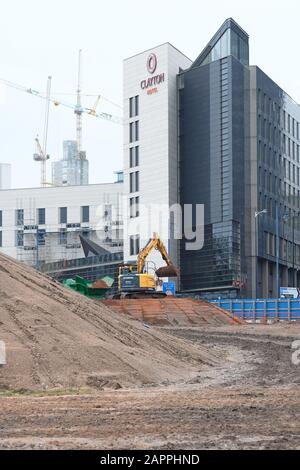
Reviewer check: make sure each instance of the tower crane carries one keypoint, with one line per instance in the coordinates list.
(92, 111)
(78, 111)
(102, 115)
(40, 154)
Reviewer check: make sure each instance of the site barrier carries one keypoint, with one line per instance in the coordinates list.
(262, 310)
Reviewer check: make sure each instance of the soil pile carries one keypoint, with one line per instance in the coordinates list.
(57, 338)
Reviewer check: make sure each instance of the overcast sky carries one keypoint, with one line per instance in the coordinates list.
(41, 38)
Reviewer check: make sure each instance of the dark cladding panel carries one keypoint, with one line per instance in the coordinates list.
(215, 143)
(195, 139)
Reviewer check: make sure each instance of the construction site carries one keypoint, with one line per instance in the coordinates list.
(142, 373)
(161, 310)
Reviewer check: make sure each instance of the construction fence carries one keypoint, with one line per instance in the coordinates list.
(262, 310)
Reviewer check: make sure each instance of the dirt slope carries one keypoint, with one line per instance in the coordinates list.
(57, 338)
(172, 311)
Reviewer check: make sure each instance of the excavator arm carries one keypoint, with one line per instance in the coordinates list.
(156, 243)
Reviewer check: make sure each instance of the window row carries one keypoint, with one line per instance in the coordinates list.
(277, 114)
(63, 237)
(41, 216)
(272, 182)
(286, 251)
(274, 159)
(277, 138)
(269, 203)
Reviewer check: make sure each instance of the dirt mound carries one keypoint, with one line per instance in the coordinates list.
(172, 311)
(57, 338)
(100, 284)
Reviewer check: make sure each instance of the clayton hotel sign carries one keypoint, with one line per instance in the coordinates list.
(150, 83)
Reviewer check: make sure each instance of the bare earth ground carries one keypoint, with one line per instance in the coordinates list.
(250, 400)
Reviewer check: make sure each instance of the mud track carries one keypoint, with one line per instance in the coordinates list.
(251, 401)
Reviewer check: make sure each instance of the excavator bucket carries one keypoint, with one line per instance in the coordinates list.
(167, 271)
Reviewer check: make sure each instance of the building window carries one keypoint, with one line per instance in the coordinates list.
(41, 237)
(41, 216)
(131, 157)
(134, 106)
(134, 181)
(134, 156)
(134, 243)
(134, 206)
(1, 238)
(20, 217)
(0, 218)
(133, 131)
(63, 215)
(19, 238)
(136, 130)
(85, 214)
(131, 138)
(63, 236)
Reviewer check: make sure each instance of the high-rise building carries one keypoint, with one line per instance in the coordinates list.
(69, 149)
(219, 132)
(150, 144)
(70, 171)
(5, 176)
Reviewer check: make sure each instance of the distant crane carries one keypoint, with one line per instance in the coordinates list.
(92, 111)
(41, 150)
(40, 154)
(84, 109)
(78, 111)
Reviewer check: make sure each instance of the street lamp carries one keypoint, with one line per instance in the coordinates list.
(284, 217)
(294, 216)
(256, 215)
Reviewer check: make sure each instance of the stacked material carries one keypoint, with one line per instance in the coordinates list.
(172, 311)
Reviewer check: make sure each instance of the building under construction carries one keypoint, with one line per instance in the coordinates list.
(44, 225)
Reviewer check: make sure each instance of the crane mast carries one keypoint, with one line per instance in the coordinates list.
(41, 151)
(78, 111)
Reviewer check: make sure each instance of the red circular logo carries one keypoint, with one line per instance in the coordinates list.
(151, 63)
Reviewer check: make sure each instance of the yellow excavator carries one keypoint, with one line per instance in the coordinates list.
(135, 280)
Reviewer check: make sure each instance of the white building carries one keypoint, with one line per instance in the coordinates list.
(43, 224)
(150, 146)
(5, 176)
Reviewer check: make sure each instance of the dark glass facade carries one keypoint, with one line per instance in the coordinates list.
(278, 183)
(239, 153)
(212, 104)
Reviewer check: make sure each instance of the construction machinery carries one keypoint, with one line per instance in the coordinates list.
(95, 290)
(40, 154)
(75, 107)
(135, 279)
